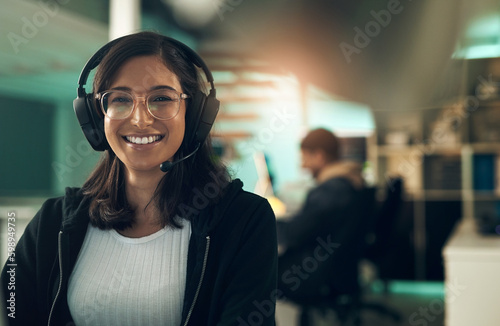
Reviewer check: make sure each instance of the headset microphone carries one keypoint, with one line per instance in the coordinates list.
(167, 165)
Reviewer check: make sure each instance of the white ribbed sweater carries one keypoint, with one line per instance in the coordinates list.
(130, 281)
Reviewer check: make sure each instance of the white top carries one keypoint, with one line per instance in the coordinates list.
(130, 281)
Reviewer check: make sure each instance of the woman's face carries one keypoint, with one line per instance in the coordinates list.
(140, 76)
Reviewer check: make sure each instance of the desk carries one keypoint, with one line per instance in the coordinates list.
(472, 277)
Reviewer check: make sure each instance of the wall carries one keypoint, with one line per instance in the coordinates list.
(26, 146)
(43, 149)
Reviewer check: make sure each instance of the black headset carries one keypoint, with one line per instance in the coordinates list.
(92, 123)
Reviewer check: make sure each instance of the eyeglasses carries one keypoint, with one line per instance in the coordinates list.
(162, 104)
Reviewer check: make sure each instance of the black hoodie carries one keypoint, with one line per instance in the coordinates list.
(231, 273)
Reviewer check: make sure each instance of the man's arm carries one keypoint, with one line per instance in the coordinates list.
(319, 209)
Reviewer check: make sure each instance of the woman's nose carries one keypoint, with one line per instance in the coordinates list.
(141, 116)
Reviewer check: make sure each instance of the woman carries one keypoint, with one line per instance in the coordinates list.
(135, 245)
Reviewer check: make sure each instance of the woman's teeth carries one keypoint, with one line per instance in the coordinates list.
(143, 140)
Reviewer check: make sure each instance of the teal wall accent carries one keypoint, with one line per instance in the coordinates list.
(73, 158)
(42, 148)
(25, 146)
(44, 151)
(280, 129)
(341, 117)
(276, 133)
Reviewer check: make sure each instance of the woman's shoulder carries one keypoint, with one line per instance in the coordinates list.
(238, 206)
(60, 209)
(236, 198)
(71, 197)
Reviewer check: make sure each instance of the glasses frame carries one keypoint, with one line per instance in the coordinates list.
(100, 96)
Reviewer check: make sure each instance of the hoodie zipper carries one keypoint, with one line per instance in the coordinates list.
(201, 281)
(60, 276)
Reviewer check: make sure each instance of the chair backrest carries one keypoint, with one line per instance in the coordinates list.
(368, 215)
(336, 272)
(354, 245)
(385, 219)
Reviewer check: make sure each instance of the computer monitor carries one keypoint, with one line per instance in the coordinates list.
(264, 185)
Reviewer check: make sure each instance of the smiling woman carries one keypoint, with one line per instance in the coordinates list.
(139, 244)
(142, 122)
(138, 69)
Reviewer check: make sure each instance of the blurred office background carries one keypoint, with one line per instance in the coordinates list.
(411, 87)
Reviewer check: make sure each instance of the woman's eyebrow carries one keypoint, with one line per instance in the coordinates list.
(154, 88)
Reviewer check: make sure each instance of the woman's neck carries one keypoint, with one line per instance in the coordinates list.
(140, 188)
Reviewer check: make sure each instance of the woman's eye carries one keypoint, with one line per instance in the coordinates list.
(120, 100)
(162, 99)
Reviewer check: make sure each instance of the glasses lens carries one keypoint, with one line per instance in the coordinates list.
(117, 105)
(163, 103)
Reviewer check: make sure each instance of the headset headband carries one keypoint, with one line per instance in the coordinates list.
(96, 59)
(207, 106)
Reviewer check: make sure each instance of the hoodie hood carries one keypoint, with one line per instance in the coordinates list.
(75, 207)
(351, 171)
(210, 216)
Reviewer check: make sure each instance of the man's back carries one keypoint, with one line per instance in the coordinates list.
(324, 239)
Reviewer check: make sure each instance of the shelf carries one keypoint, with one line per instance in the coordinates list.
(419, 149)
(232, 135)
(391, 150)
(491, 103)
(449, 159)
(486, 195)
(412, 194)
(485, 147)
(431, 195)
(455, 149)
(245, 116)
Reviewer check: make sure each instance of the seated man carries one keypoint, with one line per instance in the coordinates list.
(323, 238)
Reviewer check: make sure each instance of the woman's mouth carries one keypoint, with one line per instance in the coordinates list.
(143, 140)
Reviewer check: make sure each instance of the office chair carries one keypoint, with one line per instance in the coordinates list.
(345, 302)
(348, 305)
(383, 225)
(382, 230)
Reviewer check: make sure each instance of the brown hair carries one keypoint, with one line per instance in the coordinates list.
(323, 140)
(175, 192)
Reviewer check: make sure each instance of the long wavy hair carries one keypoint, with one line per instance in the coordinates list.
(180, 190)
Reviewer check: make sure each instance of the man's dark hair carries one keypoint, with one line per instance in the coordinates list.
(323, 140)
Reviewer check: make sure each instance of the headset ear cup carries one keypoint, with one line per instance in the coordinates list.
(207, 117)
(193, 117)
(97, 125)
(92, 125)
